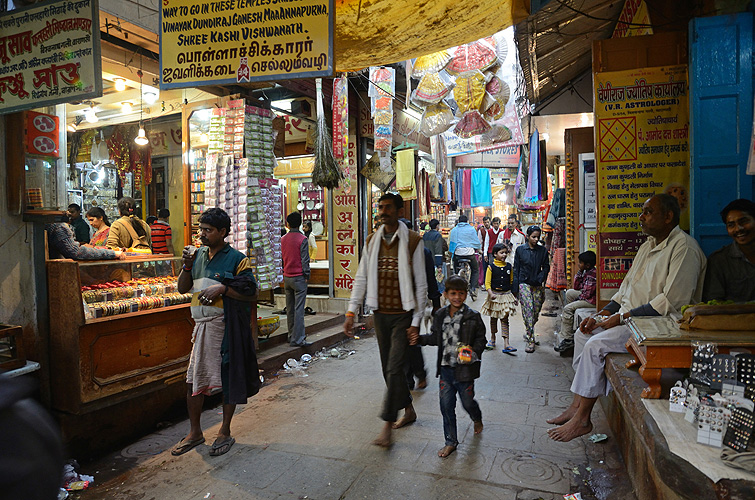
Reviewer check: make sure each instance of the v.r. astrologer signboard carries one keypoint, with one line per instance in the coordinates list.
(236, 41)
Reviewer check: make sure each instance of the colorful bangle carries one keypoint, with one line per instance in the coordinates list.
(350, 314)
(188, 270)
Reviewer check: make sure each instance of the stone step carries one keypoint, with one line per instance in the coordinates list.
(271, 360)
(312, 325)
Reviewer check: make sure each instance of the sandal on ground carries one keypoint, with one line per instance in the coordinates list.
(309, 311)
(490, 345)
(221, 446)
(183, 446)
(509, 350)
(530, 347)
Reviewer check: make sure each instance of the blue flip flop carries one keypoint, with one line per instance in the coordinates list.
(509, 350)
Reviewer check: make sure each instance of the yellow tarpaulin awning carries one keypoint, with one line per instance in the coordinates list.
(379, 32)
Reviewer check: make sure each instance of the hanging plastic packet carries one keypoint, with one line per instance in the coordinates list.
(471, 124)
(466, 355)
(436, 119)
(469, 91)
(431, 89)
(383, 81)
(478, 55)
(430, 63)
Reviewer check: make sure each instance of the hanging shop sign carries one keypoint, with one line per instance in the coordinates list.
(634, 20)
(42, 134)
(235, 41)
(49, 54)
(642, 149)
(506, 157)
(346, 227)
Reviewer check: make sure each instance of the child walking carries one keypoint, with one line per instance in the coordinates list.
(531, 268)
(459, 333)
(500, 303)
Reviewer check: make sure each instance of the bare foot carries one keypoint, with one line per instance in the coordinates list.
(422, 384)
(409, 416)
(564, 417)
(384, 438)
(478, 427)
(570, 430)
(446, 450)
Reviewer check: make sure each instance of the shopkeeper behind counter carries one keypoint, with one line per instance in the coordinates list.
(129, 231)
(62, 244)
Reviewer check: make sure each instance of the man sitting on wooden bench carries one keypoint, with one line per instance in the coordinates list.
(666, 274)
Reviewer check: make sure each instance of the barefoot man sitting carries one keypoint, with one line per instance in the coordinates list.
(666, 274)
(391, 280)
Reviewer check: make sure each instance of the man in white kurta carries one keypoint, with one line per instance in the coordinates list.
(666, 274)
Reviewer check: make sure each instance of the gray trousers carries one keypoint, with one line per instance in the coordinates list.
(296, 298)
(589, 363)
(567, 316)
(390, 330)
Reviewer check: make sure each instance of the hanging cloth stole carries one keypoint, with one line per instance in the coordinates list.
(466, 193)
(544, 180)
(532, 195)
(482, 194)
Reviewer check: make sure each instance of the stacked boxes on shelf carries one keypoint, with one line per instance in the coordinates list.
(264, 198)
(238, 178)
(196, 178)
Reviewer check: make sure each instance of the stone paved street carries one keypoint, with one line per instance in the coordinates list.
(310, 438)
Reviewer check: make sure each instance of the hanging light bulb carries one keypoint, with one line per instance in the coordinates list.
(141, 137)
(126, 107)
(120, 84)
(90, 115)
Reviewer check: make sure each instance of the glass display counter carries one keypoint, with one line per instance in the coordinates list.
(118, 329)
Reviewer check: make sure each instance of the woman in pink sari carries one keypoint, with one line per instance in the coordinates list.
(98, 220)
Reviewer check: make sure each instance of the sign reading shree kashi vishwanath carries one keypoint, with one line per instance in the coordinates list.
(49, 54)
(236, 41)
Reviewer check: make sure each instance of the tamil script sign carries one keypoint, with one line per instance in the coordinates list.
(235, 41)
(49, 53)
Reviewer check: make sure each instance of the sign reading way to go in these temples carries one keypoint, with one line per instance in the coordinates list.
(49, 53)
(236, 41)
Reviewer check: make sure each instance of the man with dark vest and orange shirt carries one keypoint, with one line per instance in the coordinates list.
(295, 250)
(391, 280)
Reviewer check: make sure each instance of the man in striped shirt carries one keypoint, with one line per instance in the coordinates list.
(162, 237)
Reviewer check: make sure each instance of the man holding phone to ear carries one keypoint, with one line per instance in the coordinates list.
(205, 272)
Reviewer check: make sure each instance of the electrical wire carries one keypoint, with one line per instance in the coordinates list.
(627, 23)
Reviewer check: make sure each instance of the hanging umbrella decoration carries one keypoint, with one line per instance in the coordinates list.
(461, 88)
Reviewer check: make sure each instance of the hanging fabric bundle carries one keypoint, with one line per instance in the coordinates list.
(326, 172)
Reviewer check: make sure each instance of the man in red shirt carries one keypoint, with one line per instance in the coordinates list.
(491, 238)
(162, 237)
(295, 250)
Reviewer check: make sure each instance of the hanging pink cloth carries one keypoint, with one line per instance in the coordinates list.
(466, 189)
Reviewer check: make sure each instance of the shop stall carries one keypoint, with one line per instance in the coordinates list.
(121, 329)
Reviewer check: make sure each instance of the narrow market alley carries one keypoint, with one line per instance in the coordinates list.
(309, 437)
